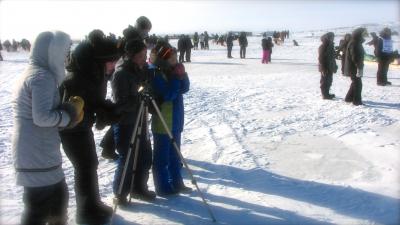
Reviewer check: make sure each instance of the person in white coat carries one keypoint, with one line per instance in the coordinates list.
(38, 115)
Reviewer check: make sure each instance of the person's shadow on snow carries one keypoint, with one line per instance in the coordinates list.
(382, 105)
(348, 201)
(182, 209)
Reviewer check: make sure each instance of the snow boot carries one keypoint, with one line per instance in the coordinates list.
(185, 189)
(144, 195)
(107, 154)
(91, 218)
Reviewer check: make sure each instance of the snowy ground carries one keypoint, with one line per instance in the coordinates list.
(263, 145)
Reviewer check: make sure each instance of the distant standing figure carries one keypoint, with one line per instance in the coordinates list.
(327, 64)
(385, 56)
(196, 41)
(229, 44)
(354, 65)
(295, 43)
(243, 45)
(206, 39)
(182, 48)
(188, 48)
(202, 41)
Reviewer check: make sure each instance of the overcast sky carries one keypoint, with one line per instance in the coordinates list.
(19, 18)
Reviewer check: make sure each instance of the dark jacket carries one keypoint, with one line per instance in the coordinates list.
(86, 78)
(181, 44)
(270, 45)
(355, 54)
(125, 85)
(229, 40)
(264, 43)
(188, 42)
(326, 55)
(243, 40)
(375, 43)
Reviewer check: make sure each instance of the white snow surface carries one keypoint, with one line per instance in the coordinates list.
(262, 144)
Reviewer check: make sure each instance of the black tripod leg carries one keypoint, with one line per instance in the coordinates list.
(136, 153)
(122, 181)
(194, 182)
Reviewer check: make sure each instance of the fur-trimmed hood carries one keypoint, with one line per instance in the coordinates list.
(49, 52)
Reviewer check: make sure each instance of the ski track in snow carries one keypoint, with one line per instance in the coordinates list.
(262, 144)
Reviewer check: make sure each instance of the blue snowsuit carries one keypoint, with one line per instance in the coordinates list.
(166, 162)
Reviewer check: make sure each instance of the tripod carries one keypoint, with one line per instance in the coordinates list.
(145, 100)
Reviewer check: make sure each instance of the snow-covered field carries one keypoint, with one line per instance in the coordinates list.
(263, 145)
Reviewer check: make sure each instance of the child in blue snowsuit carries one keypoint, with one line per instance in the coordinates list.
(169, 84)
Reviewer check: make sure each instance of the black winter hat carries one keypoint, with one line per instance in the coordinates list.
(96, 35)
(105, 50)
(133, 47)
(143, 23)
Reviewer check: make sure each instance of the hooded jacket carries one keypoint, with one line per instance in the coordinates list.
(355, 53)
(326, 57)
(37, 117)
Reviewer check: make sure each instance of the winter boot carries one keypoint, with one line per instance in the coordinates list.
(108, 154)
(91, 218)
(121, 201)
(103, 209)
(144, 195)
(327, 97)
(185, 189)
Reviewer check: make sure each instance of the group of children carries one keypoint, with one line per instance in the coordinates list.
(51, 107)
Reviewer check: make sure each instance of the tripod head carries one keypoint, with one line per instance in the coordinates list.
(145, 92)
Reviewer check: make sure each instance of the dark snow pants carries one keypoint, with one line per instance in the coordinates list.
(325, 84)
(46, 204)
(80, 148)
(122, 136)
(383, 67)
(181, 55)
(242, 52)
(230, 51)
(107, 143)
(354, 93)
(343, 62)
(188, 54)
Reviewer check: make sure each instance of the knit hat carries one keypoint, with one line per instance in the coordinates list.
(143, 23)
(164, 51)
(105, 50)
(133, 47)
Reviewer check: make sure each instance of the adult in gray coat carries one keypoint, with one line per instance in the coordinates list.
(36, 144)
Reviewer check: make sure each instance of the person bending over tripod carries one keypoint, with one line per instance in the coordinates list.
(169, 84)
(125, 85)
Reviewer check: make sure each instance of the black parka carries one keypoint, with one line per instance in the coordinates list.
(326, 55)
(355, 53)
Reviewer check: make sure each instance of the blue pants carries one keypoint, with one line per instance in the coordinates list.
(166, 164)
(122, 136)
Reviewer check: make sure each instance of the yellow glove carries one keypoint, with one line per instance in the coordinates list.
(77, 103)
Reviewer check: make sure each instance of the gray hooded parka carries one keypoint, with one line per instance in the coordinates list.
(37, 117)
